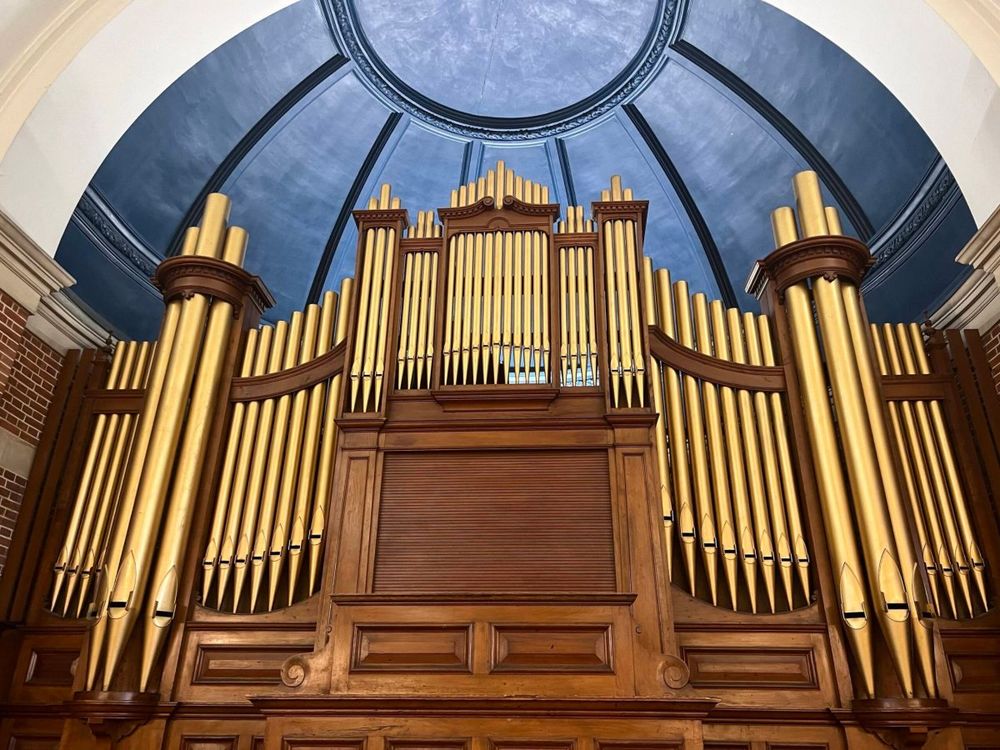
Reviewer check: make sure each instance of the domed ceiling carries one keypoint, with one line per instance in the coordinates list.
(706, 109)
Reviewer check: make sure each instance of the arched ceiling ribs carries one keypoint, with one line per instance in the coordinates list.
(726, 291)
(364, 172)
(567, 173)
(252, 137)
(816, 161)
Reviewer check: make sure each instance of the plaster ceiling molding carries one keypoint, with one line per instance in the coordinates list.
(978, 23)
(976, 304)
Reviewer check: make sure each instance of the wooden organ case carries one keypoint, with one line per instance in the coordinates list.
(512, 488)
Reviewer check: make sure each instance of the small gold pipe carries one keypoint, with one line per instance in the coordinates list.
(487, 316)
(383, 316)
(780, 536)
(324, 471)
(361, 326)
(567, 289)
(467, 297)
(659, 429)
(590, 282)
(635, 322)
(726, 533)
(246, 540)
(614, 340)
(418, 314)
(915, 595)
(496, 341)
(754, 462)
(696, 447)
(624, 320)
(742, 513)
(616, 187)
(449, 312)
(210, 559)
(508, 300)
(432, 278)
(476, 328)
(542, 244)
(795, 529)
(809, 201)
(534, 252)
(519, 297)
(833, 220)
(237, 496)
(965, 526)
(404, 326)
(878, 546)
(676, 442)
(783, 226)
(581, 278)
(923, 456)
(426, 312)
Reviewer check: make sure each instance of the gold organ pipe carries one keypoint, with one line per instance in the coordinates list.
(246, 540)
(102, 437)
(324, 472)
(676, 442)
(310, 447)
(783, 226)
(543, 282)
(498, 278)
(614, 340)
(518, 341)
(742, 512)
(915, 595)
(567, 299)
(939, 472)
(244, 458)
(624, 321)
(389, 254)
(133, 473)
(631, 258)
(157, 470)
(508, 298)
(578, 314)
(429, 322)
(161, 604)
(418, 300)
(276, 452)
(360, 334)
(725, 532)
(404, 326)
(465, 323)
(769, 454)
(809, 202)
(928, 472)
(696, 446)
(424, 324)
(476, 330)
(487, 315)
(591, 316)
(210, 559)
(449, 313)
(281, 534)
(534, 252)
(786, 464)
(754, 462)
(659, 429)
(965, 525)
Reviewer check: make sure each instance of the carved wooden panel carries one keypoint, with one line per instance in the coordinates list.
(217, 664)
(33, 742)
(640, 744)
(768, 668)
(532, 744)
(491, 521)
(411, 648)
(319, 743)
(974, 661)
(541, 648)
(50, 667)
(408, 744)
(228, 742)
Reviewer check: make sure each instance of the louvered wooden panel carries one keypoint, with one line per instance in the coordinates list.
(492, 521)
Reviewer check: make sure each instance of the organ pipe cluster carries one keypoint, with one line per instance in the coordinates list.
(578, 350)
(415, 353)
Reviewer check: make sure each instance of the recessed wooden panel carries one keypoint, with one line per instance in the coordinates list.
(411, 648)
(242, 665)
(209, 743)
(975, 673)
(540, 648)
(319, 743)
(764, 668)
(797, 746)
(727, 746)
(50, 667)
(490, 521)
(532, 744)
(408, 744)
(640, 744)
(33, 742)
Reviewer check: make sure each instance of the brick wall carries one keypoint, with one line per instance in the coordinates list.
(28, 370)
(991, 342)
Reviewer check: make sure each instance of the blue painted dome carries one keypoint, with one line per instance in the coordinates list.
(706, 109)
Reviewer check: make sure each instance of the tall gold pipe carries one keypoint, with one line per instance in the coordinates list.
(133, 473)
(244, 458)
(211, 557)
(246, 540)
(754, 462)
(361, 325)
(854, 606)
(610, 293)
(696, 446)
(496, 342)
(915, 594)
(374, 322)
(449, 312)
(427, 278)
(157, 471)
(487, 314)
(635, 322)
(324, 471)
(281, 535)
(624, 320)
(787, 466)
(659, 429)
(431, 316)
(809, 202)
(404, 327)
(161, 604)
(70, 560)
(726, 533)
(476, 328)
(742, 512)
(878, 546)
(519, 296)
(565, 323)
(780, 536)
(418, 304)
(383, 318)
(965, 526)
(466, 321)
(928, 482)
(276, 453)
(579, 302)
(542, 245)
(945, 511)
(591, 316)
(536, 303)
(676, 442)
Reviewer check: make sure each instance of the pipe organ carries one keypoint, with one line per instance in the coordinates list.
(514, 487)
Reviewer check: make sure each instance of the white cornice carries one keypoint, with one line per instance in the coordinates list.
(976, 304)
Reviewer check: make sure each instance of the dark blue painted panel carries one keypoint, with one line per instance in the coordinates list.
(595, 155)
(132, 311)
(289, 196)
(161, 163)
(863, 131)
